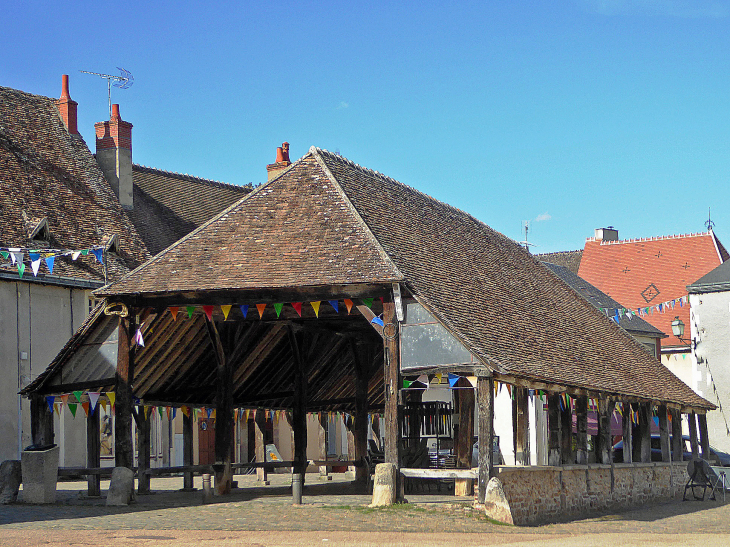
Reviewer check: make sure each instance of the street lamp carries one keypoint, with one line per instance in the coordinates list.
(678, 327)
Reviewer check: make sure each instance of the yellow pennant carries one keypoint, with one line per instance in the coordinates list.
(112, 398)
(102, 402)
(186, 411)
(438, 377)
(315, 307)
(472, 380)
(226, 309)
(146, 411)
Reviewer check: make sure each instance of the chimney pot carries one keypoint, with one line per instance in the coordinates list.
(67, 107)
(606, 234)
(64, 87)
(281, 163)
(115, 112)
(279, 154)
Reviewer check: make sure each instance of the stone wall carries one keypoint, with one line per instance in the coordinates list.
(542, 494)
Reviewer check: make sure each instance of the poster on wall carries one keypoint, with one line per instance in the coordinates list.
(106, 433)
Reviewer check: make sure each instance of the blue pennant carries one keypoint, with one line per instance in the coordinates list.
(335, 305)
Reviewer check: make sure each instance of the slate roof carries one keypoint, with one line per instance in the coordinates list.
(168, 206)
(634, 325)
(326, 220)
(644, 272)
(715, 281)
(567, 259)
(47, 173)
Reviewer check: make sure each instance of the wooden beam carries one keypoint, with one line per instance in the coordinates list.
(144, 446)
(664, 433)
(604, 444)
(188, 450)
(521, 435)
(581, 414)
(566, 438)
(691, 418)
(485, 405)
(628, 433)
(123, 446)
(223, 413)
(93, 451)
(704, 438)
(677, 440)
(555, 431)
(644, 432)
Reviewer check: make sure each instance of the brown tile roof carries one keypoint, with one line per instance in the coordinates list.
(567, 259)
(644, 272)
(327, 220)
(47, 173)
(168, 206)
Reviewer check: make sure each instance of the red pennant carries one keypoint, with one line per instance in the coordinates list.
(297, 307)
(348, 303)
(208, 312)
(173, 311)
(85, 406)
(261, 308)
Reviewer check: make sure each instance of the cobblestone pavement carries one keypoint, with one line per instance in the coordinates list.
(334, 513)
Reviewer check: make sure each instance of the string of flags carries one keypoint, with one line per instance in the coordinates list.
(617, 313)
(208, 310)
(17, 257)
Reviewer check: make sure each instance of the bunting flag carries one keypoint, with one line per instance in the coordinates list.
(186, 411)
(315, 307)
(35, 263)
(453, 378)
(297, 308)
(5, 254)
(226, 309)
(378, 321)
(112, 397)
(78, 395)
(209, 411)
(49, 263)
(277, 308)
(173, 312)
(50, 399)
(190, 310)
(57, 408)
(75, 255)
(99, 254)
(16, 257)
(93, 399)
(244, 310)
(439, 376)
(84, 252)
(348, 305)
(368, 302)
(21, 269)
(72, 408)
(160, 411)
(261, 308)
(335, 305)
(103, 403)
(208, 310)
(145, 411)
(138, 338)
(407, 383)
(423, 378)
(85, 406)
(167, 411)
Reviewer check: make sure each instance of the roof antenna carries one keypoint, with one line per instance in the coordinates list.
(526, 228)
(122, 82)
(710, 224)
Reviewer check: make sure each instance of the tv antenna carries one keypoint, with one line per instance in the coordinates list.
(526, 228)
(122, 82)
(709, 223)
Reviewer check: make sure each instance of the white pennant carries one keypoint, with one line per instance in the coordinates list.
(75, 255)
(35, 265)
(93, 398)
(16, 257)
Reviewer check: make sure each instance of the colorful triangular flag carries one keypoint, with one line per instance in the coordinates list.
(261, 308)
(85, 406)
(112, 397)
(348, 305)
(278, 307)
(453, 378)
(49, 263)
(315, 307)
(208, 312)
(190, 310)
(297, 308)
(50, 399)
(78, 395)
(93, 398)
(173, 312)
(226, 309)
(72, 408)
(368, 302)
(335, 305)
(138, 338)
(244, 310)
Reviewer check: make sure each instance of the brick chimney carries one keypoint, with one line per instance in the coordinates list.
(281, 163)
(67, 107)
(114, 155)
(606, 234)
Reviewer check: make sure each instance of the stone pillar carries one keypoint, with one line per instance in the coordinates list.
(664, 433)
(581, 412)
(521, 425)
(322, 434)
(555, 430)
(260, 427)
(485, 404)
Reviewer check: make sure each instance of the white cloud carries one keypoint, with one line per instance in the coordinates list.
(671, 8)
(543, 217)
(342, 105)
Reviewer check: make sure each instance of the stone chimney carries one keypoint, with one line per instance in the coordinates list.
(114, 155)
(67, 107)
(281, 163)
(606, 234)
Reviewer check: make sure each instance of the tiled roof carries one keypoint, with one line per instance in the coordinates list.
(633, 325)
(47, 173)
(644, 272)
(714, 281)
(168, 206)
(327, 220)
(567, 259)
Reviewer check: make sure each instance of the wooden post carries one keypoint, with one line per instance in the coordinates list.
(566, 439)
(299, 410)
(693, 434)
(123, 446)
(581, 415)
(41, 424)
(322, 435)
(555, 430)
(392, 384)
(143, 451)
(628, 431)
(93, 451)
(362, 359)
(260, 427)
(604, 445)
(188, 449)
(664, 433)
(521, 426)
(224, 439)
(485, 405)
(704, 438)
(465, 438)
(677, 440)
(645, 416)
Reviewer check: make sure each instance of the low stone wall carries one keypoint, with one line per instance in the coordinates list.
(540, 493)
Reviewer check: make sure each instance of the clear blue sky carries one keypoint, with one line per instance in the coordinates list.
(584, 113)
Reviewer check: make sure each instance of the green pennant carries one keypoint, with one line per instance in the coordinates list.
(78, 395)
(407, 383)
(72, 407)
(84, 252)
(21, 269)
(5, 254)
(160, 410)
(277, 308)
(368, 302)
(190, 310)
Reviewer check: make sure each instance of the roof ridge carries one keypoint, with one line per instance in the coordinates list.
(34, 95)
(558, 252)
(192, 178)
(645, 239)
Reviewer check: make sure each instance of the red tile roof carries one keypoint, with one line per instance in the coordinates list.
(645, 272)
